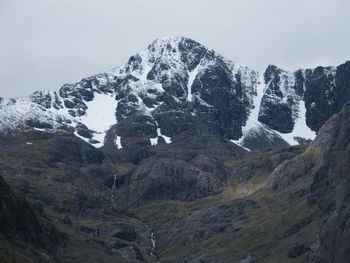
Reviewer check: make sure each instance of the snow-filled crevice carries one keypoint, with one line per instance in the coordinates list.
(253, 125)
(300, 128)
(191, 78)
(154, 141)
(252, 122)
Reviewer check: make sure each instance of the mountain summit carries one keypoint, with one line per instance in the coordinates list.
(176, 84)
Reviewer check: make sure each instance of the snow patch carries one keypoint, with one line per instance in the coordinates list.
(118, 142)
(252, 121)
(253, 125)
(81, 137)
(238, 144)
(100, 115)
(154, 141)
(191, 78)
(39, 129)
(166, 138)
(300, 128)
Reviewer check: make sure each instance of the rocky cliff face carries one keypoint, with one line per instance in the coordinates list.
(330, 190)
(174, 80)
(176, 84)
(313, 94)
(280, 103)
(20, 226)
(323, 168)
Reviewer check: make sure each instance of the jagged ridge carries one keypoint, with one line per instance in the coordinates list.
(176, 82)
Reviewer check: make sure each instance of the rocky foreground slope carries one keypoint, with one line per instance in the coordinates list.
(177, 84)
(188, 202)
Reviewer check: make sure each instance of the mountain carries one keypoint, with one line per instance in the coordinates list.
(177, 84)
(149, 163)
(173, 83)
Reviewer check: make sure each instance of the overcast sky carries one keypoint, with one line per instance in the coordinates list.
(46, 43)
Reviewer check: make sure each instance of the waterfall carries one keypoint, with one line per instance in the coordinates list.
(114, 189)
(153, 245)
(152, 237)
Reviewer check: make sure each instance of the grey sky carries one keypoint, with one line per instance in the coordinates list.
(46, 43)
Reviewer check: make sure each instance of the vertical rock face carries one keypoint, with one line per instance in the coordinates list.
(173, 75)
(280, 103)
(17, 218)
(323, 91)
(326, 160)
(20, 225)
(330, 190)
(327, 90)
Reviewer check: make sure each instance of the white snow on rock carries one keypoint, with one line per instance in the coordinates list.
(100, 115)
(240, 145)
(191, 78)
(101, 112)
(118, 142)
(83, 138)
(154, 141)
(300, 128)
(166, 138)
(163, 59)
(15, 113)
(253, 126)
(252, 121)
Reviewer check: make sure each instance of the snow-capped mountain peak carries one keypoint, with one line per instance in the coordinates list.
(172, 85)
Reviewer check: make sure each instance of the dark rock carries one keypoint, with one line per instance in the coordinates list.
(297, 250)
(218, 216)
(277, 116)
(261, 138)
(293, 197)
(290, 171)
(225, 213)
(71, 150)
(117, 243)
(124, 231)
(66, 220)
(84, 131)
(87, 230)
(248, 259)
(18, 222)
(157, 180)
(198, 236)
(297, 227)
(38, 124)
(330, 189)
(301, 140)
(281, 98)
(131, 254)
(327, 91)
